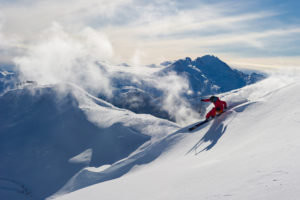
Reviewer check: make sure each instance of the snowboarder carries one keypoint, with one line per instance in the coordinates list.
(219, 106)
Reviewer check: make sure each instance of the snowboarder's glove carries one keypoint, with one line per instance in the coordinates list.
(225, 107)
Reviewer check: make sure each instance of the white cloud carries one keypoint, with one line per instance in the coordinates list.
(174, 87)
(62, 58)
(264, 63)
(27, 18)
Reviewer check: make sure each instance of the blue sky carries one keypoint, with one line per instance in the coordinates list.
(243, 33)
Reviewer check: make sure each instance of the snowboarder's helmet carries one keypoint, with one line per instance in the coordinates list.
(213, 98)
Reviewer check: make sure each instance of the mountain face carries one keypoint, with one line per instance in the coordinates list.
(210, 75)
(46, 137)
(139, 101)
(137, 94)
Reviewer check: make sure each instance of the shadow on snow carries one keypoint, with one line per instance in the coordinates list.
(86, 177)
(212, 136)
(217, 129)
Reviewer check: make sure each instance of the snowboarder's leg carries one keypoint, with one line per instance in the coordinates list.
(219, 110)
(211, 113)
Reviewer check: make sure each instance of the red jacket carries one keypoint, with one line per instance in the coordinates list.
(219, 105)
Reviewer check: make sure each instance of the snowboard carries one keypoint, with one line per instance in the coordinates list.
(205, 121)
(232, 106)
(198, 124)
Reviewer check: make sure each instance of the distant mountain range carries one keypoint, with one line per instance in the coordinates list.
(204, 76)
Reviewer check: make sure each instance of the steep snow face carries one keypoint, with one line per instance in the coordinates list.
(249, 152)
(47, 136)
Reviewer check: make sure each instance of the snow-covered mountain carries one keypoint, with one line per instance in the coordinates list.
(249, 152)
(49, 133)
(59, 141)
(209, 75)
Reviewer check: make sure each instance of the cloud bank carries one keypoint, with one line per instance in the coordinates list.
(61, 58)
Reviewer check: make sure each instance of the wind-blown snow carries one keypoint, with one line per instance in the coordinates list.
(249, 152)
(86, 59)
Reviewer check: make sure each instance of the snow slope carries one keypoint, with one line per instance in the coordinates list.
(249, 152)
(49, 133)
